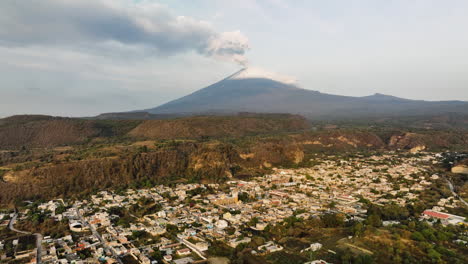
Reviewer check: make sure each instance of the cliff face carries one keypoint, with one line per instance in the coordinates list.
(431, 140)
(199, 162)
(341, 140)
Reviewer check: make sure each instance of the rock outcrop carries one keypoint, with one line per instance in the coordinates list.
(460, 169)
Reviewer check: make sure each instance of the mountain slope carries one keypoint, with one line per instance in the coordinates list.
(35, 131)
(219, 126)
(244, 92)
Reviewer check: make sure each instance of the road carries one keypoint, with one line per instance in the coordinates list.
(98, 236)
(192, 247)
(39, 248)
(38, 236)
(454, 193)
(368, 252)
(12, 223)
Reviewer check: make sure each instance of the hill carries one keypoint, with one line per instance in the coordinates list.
(133, 116)
(32, 131)
(244, 92)
(219, 126)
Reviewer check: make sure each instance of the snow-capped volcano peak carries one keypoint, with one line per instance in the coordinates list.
(253, 73)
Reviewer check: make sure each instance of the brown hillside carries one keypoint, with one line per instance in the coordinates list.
(430, 139)
(341, 140)
(45, 133)
(216, 126)
(35, 131)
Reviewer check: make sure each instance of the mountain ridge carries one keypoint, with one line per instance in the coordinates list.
(246, 91)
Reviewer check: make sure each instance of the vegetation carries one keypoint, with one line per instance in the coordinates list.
(102, 154)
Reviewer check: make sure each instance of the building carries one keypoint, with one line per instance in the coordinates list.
(270, 247)
(313, 247)
(235, 242)
(77, 227)
(183, 252)
(225, 199)
(445, 218)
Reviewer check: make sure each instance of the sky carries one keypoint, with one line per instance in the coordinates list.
(85, 57)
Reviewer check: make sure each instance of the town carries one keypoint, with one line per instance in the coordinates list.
(179, 224)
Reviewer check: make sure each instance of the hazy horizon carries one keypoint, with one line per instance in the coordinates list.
(85, 57)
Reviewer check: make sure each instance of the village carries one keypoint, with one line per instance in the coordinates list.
(178, 224)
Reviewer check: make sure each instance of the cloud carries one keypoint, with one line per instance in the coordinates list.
(93, 25)
(229, 46)
(256, 72)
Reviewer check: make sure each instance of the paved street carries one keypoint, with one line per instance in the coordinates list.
(38, 238)
(98, 236)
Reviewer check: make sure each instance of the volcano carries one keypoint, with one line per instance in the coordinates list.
(251, 90)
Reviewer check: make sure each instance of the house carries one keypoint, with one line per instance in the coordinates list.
(170, 246)
(184, 261)
(389, 223)
(221, 224)
(270, 247)
(202, 246)
(279, 194)
(260, 226)
(225, 199)
(101, 219)
(50, 206)
(183, 252)
(313, 247)
(346, 199)
(156, 231)
(235, 242)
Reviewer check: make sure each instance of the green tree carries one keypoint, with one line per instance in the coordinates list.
(357, 229)
(434, 255)
(332, 220)
(374, 220)
(417, 236)
(157, 255)
(172, 229)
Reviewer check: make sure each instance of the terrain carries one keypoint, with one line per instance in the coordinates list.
(47, 157)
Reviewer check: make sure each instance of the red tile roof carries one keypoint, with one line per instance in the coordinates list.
(436, 214)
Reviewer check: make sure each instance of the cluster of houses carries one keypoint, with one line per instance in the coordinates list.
(191, 216)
